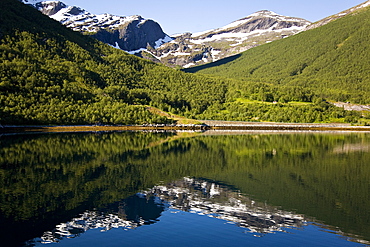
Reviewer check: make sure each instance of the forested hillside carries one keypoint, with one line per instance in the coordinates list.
(52, 75)
(331, 61)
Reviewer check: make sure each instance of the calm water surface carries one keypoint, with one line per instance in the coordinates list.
(185, 189)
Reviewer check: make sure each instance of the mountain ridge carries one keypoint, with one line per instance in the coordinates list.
(146, 39)
(129, 33)
(341, 14)
(50, 74)
(331, 60)
(264, 26)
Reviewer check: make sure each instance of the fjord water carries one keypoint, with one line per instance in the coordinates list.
(185, 189)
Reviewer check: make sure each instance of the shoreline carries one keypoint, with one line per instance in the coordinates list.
(207, 125)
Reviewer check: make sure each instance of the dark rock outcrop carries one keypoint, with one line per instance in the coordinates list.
(129, 33)
(133, 36)
(50, 8)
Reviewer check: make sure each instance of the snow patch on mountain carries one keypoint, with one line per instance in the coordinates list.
(145, 38)
(160, 42)
(32, 1)
(363, 5)
(79, 19)
(130, 33)
(339, 15)
(136, 51)
(208, 46)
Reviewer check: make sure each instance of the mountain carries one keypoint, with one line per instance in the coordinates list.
(146, 39)
(50, 74)
(330, 61)
(262, 27)
(337, 16)
(197, 196)
(129, 33)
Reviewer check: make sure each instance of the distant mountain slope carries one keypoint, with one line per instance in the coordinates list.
(129, 33)
(188, 49)
(50, 74)
(337, 16)
(332, 60)
(145, 38)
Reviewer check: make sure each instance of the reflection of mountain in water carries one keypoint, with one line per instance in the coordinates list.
(190, 195)
(208, 198)
(130, 213)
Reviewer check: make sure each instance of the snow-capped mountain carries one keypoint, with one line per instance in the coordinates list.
(129, 33)
(259, 28)
(146, 38)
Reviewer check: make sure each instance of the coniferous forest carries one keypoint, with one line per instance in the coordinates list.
(52, 75)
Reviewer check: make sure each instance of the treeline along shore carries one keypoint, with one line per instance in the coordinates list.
(204, 126)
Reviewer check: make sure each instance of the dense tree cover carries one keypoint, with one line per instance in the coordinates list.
(52, 75)
(320, 175)
(332, 61)
(300, 113)
(258, 101)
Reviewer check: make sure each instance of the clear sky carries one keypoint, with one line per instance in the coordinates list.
(199, 15)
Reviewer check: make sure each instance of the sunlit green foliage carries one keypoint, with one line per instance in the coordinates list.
(52, 75)
(331, 61)
(320, 175)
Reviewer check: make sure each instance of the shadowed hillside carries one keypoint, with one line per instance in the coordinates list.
(52, 75)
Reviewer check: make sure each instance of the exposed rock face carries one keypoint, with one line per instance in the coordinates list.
(51, 8)
(199, 48)
(146, 38)
(129, 33)
(135, 35)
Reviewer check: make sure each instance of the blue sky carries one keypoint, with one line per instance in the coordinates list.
(200, 15)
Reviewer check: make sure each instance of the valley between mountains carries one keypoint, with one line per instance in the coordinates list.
(62, 65)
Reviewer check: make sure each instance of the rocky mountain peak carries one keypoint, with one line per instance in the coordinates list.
(129, 33)
(258, 28)
(146, 38)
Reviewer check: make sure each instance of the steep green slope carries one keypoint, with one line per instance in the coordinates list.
(52, 75)
(332, 61)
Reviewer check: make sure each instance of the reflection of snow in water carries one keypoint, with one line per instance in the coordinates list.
(213, 200)
(190, 195)
(88, 220)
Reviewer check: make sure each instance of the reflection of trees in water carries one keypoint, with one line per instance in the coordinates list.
(347, 148)
(130, 213)
(190, 195)
(199, 196)
(57, 176)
